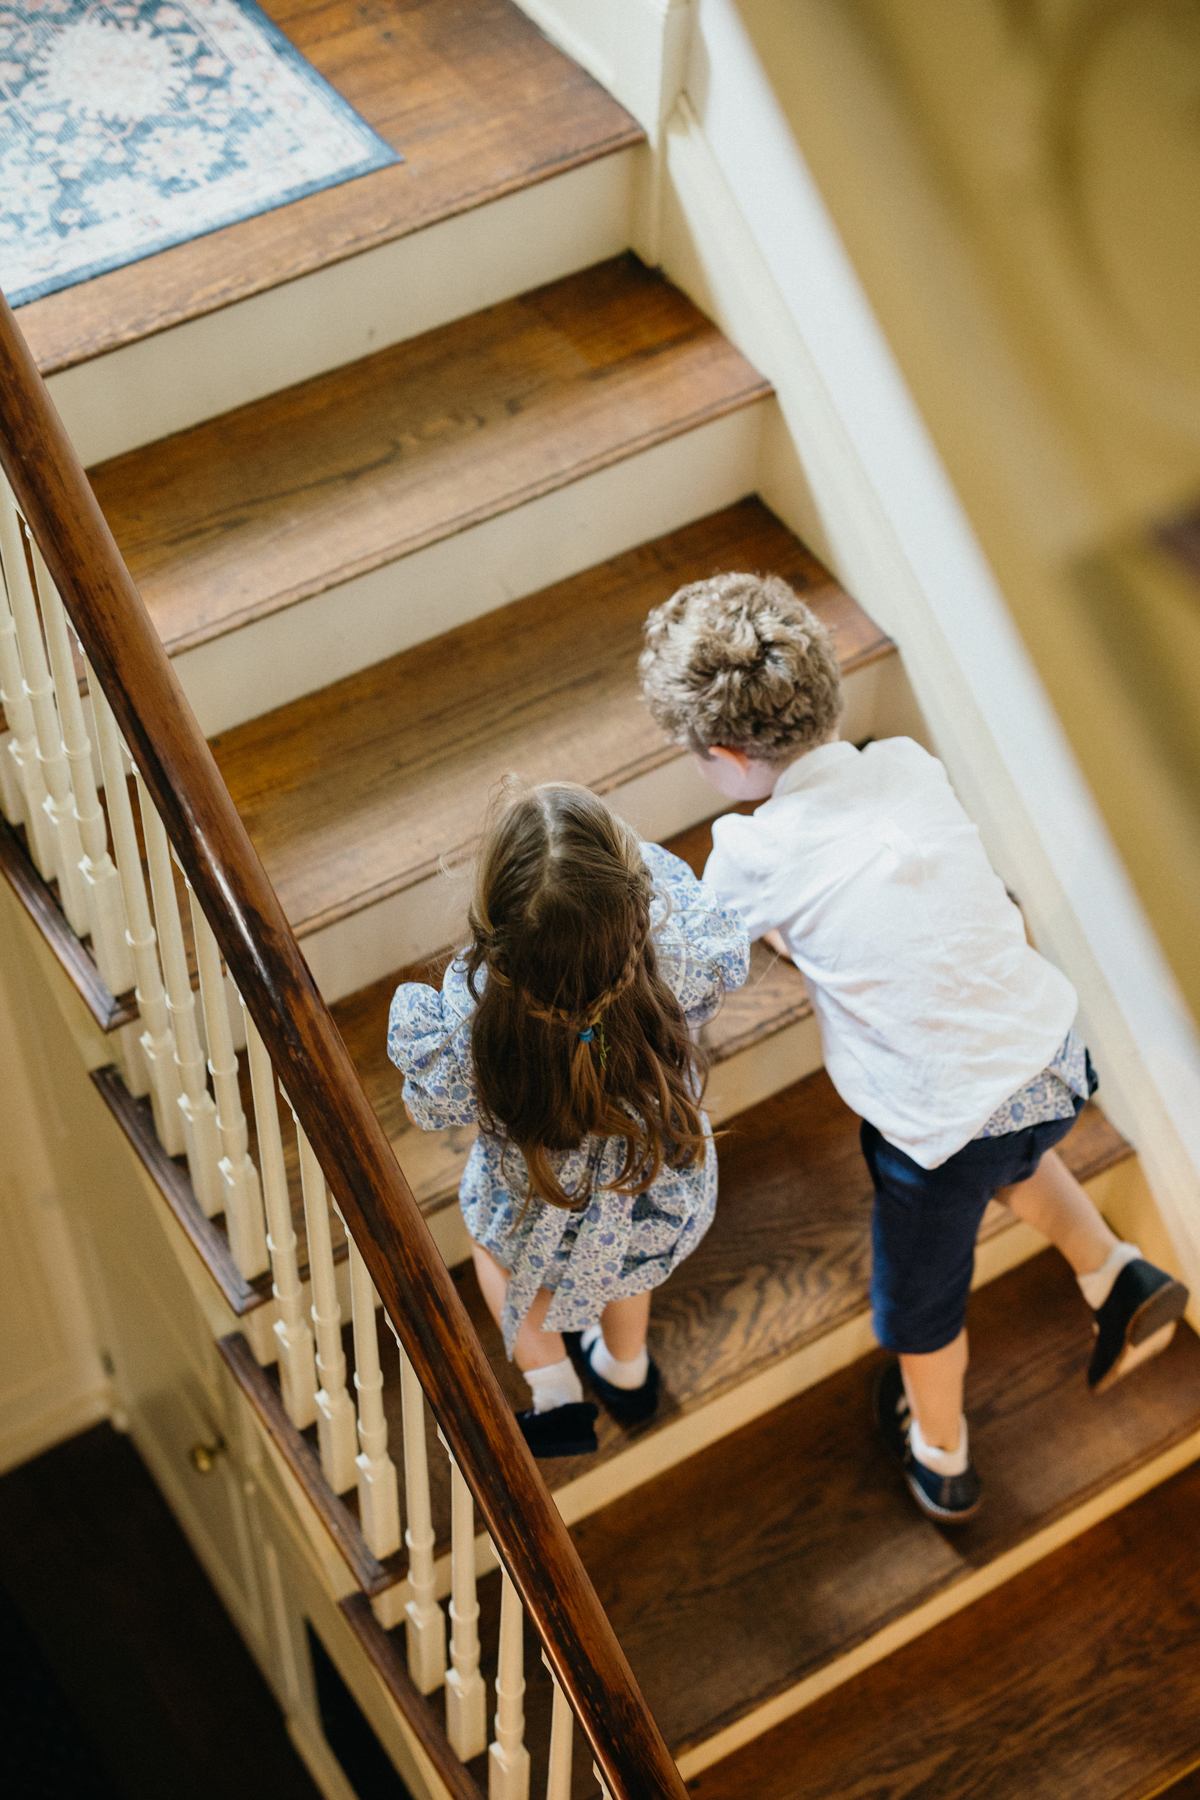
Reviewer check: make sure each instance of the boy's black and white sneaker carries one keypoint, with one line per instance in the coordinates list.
(948, 1499)
(1136, 1322)
(628, 1406)
(563, 1431)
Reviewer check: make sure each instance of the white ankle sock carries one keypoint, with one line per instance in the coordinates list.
(1099, 1284)
(942, 1462)
(631, 1374)
(557, 1385)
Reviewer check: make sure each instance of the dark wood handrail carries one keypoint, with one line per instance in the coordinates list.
(261, 951)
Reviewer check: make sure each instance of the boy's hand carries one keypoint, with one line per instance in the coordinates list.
(775, 939)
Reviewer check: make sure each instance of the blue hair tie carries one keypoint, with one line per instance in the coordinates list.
(585, 1037)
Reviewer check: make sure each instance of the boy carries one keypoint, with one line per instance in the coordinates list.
(941, 1027)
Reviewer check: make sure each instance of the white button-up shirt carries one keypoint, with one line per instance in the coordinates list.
(933, 1009)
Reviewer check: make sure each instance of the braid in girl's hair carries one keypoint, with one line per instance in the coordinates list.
(575, 1034)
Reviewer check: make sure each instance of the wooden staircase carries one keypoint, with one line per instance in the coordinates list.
(386, 579)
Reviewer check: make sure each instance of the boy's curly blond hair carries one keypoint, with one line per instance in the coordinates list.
(740, 661)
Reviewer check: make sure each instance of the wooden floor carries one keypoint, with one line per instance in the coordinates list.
(137, 1640)
(471, 94)
(720, 1603)
(305, 489)
(357, 792)
(1080, 1679)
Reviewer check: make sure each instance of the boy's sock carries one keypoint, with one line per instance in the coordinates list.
(557, 1385)
(942, 1462)
(629, 1375)
(1098, 1285)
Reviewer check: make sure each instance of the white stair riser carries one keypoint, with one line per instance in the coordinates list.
(304, 647)
(402, 928)
(165, 383)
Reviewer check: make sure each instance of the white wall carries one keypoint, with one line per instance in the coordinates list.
(51, 1382)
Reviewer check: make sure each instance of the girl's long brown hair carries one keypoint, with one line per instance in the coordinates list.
(561, 924)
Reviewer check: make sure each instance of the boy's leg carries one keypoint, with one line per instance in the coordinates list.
(1135, 1305)
(1053, 1202)
(934, 1385)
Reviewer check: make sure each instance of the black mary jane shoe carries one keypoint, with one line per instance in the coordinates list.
(1136, 1321)
(564, 1431)
(947, 1499)
(628, 1406)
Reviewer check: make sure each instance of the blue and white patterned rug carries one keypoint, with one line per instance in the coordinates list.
(130, 125)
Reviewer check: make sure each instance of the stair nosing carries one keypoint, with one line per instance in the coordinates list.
(403, 547)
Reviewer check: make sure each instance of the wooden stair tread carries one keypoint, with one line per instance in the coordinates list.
(296, 493)
(355, 793)
(477, 101)
(1078, 1676)
(720, 1605)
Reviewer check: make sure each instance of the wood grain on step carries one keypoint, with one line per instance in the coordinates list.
(356, 793)
(1078, 1677)
(472, 95)
(757, 1561)
(307, 488)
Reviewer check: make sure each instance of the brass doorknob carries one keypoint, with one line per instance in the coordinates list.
(203, 1457)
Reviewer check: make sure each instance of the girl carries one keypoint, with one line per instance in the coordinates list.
(564, 1030)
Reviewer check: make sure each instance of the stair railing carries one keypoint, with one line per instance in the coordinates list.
(164, 881)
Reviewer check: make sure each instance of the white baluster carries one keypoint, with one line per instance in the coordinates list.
(424, 1620)
(508, 1759)
(242, 1204)
(604, 1792)
(297, 1360)
(466, 1691)
(201, 1140)
(106, 910)
(562, 1743)
(378, 1495)
(21, 748)
(12, 800)
(336, 1426)
(157, 1040)
(59, 805)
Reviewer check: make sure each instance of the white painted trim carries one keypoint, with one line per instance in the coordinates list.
(173, 379)
(634, 48)
(969, 1588)
(57, 1418)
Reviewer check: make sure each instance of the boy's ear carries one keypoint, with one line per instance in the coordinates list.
(738, 758)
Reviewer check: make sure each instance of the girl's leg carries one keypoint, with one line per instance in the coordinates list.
(1053, 1202)
(616, 1347)
(534, 1348)
(624, 1324)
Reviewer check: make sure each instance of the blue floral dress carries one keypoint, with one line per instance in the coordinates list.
(618, 1245)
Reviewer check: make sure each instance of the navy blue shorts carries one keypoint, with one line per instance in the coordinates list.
(925, 1224)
